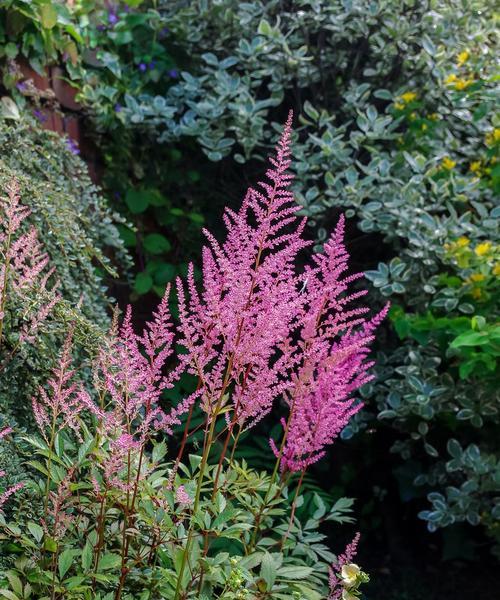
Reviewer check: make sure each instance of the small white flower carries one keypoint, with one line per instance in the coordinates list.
(349, 574)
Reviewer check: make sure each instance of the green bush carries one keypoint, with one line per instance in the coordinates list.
(79, 235)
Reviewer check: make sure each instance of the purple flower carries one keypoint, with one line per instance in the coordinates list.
(21, 86)
(112, 18)
(118, 107)
(163, 32)
(142, 67)
(39, 115)
(101, 28)
(174, 73)
(152, 65)
(72, 146)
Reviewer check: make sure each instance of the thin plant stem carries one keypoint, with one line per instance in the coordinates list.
(294, 508)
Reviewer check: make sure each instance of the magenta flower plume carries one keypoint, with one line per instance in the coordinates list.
(329, 358)
(250, 299)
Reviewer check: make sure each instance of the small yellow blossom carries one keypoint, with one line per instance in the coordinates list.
(475, 166)
(477, 293)
(463, 241)
(408, 97)
(496, 270)
(349, 574)
(462, 58)
(463, 84)
(477, 277)
(493, 136)
(424, 126)
(451, 78)
(448, 163)
(399, 106)
(433, 116)
(482, 249)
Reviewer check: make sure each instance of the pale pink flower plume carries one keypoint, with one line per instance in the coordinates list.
(347, 557)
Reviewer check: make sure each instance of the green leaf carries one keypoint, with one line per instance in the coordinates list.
(48, 15)
(87, 556)
(65, 560)
(264, 28)
(137, 201)
(9, 595)
(155, 243)
(109, 561)
(15, 582)
(268, 570)
(36, 531)
(164, 273)
(143, 283)
(295, 572)
(50, 544)
(128, 236)
(470, 338)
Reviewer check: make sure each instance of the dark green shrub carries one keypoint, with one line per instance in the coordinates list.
(78, 233)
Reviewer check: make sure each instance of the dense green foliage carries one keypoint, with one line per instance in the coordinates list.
(78, 233)
(398, 128)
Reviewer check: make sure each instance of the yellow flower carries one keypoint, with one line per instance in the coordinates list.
(477, 277)
(448, 163)
(477, 293)
(349, 574)
(398, 105)
(482, 249)
(408, 97)
(462, 58)
(433, 116)
(492, 136)
(463, 84)
(346, 595)
(451, 78)
(496, 270)
(424, 126)
(475, 166)
(462, 242)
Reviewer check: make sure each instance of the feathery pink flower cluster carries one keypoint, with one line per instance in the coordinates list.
(249, 302)
(329, 357)
(260, 331)
(23, 267)
(61, 405)
(256, 332)
(4, 496)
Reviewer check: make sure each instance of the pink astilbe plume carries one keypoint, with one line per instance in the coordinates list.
(5, 495)
(23, 268)
(329, 358)
(134, 376)
(60, 405)
(250, 299)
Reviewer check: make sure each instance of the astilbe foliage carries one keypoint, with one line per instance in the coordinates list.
(259, 331)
